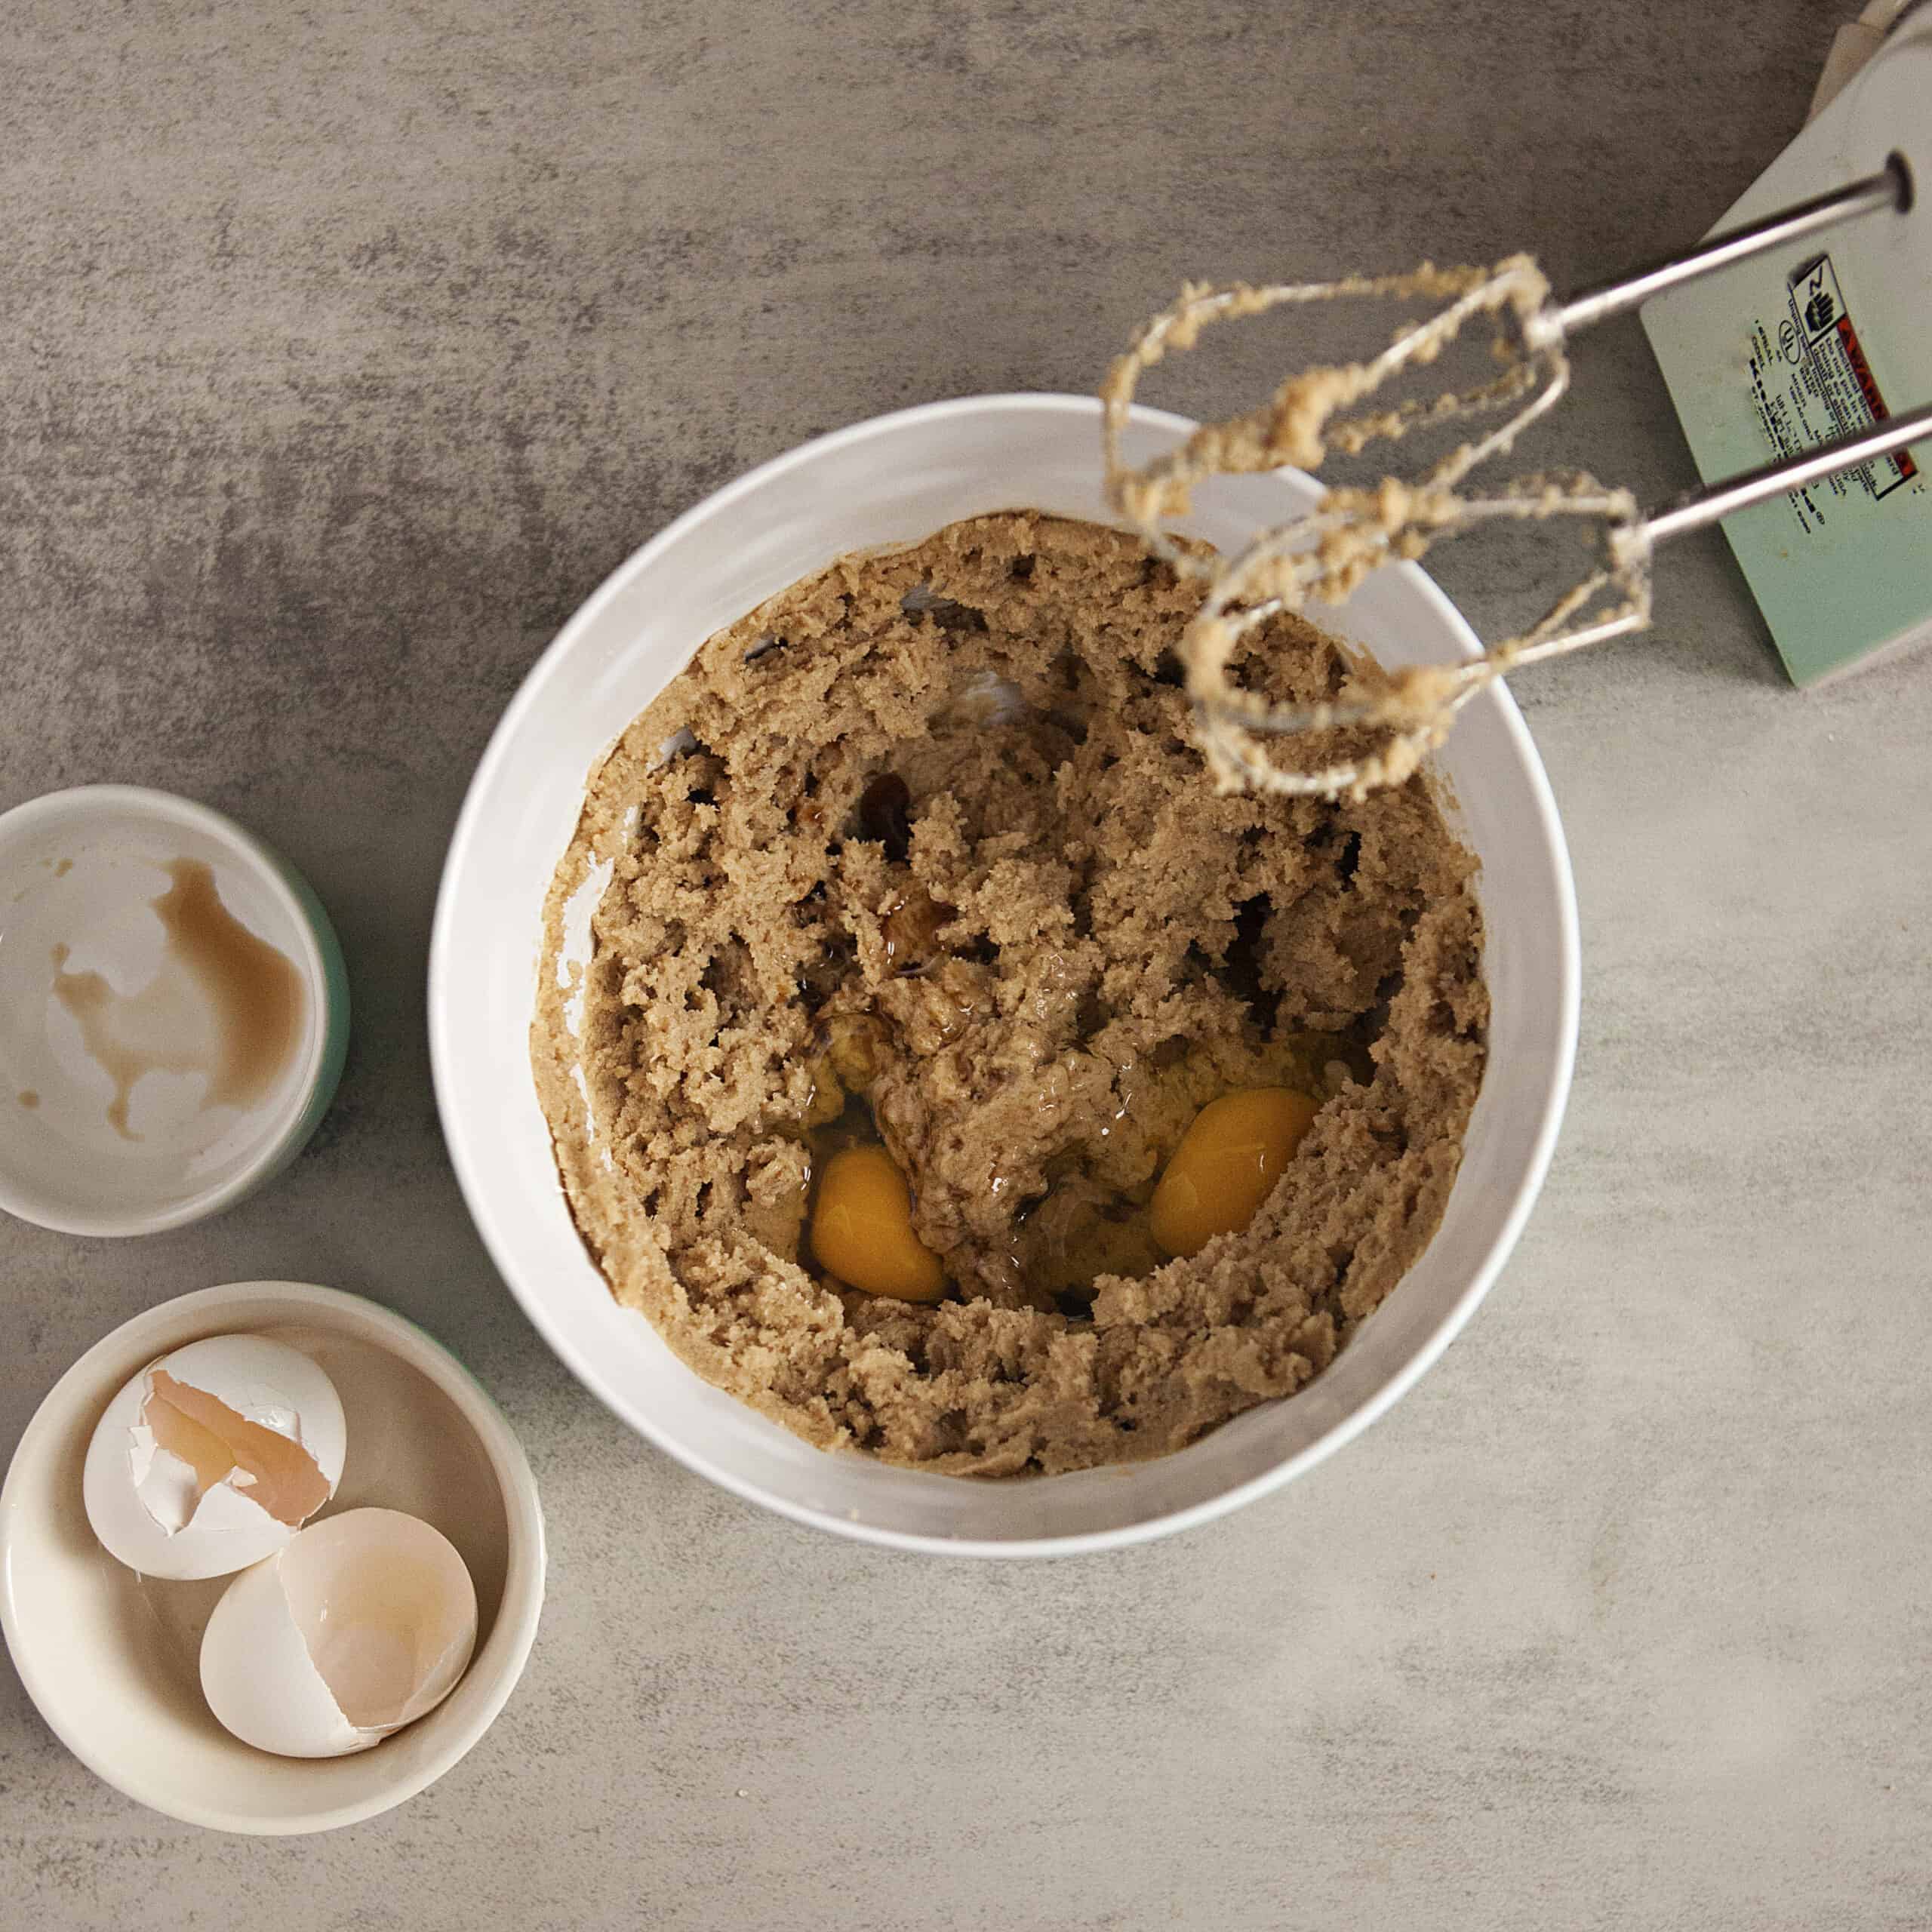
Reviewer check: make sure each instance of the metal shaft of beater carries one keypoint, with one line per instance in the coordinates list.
(1702, 508)
(1891, 188)
(1709, 505)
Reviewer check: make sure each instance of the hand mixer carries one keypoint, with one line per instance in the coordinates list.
(1321, 557)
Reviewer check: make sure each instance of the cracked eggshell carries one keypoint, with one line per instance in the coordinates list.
(141, 1499)
(365, 1622)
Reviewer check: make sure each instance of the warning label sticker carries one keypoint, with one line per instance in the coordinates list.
(1810, 384)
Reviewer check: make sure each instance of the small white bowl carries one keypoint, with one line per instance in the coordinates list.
(111, 1659)
(80, 870)
(892, 482)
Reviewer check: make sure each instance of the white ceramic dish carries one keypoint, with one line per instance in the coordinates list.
(78, 870)
(112, 1658)
(888, 481)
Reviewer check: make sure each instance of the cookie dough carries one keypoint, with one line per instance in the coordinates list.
(921, 851)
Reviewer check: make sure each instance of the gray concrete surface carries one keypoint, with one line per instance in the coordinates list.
(343, 351)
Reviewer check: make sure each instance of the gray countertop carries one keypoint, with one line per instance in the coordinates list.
(346, 349)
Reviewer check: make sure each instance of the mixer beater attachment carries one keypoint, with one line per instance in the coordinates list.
(1321, 557)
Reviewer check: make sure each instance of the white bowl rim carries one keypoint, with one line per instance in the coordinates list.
(584, 1364)
(323, 974)
(506, 1649)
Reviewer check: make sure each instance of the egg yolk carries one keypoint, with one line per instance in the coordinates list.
(862, 1229)
(1226, 1165)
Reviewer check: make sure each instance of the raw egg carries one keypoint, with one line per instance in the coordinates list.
(363, 1624)
(862, 1229)
(1226, 1165)
(212, 1457)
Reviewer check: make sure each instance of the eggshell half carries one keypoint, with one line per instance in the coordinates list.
(141, 1500)
(381, 1599)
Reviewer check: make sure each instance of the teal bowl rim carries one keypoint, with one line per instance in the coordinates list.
(324, 970)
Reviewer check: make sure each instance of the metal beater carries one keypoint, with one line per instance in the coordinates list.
(1321, 557)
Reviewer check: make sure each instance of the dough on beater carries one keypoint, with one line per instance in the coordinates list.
(1377, 736)
(939, 826)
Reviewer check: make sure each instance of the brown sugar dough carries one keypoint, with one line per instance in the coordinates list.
(934, 818)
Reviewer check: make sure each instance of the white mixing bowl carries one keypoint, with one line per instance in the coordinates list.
(888, 481)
